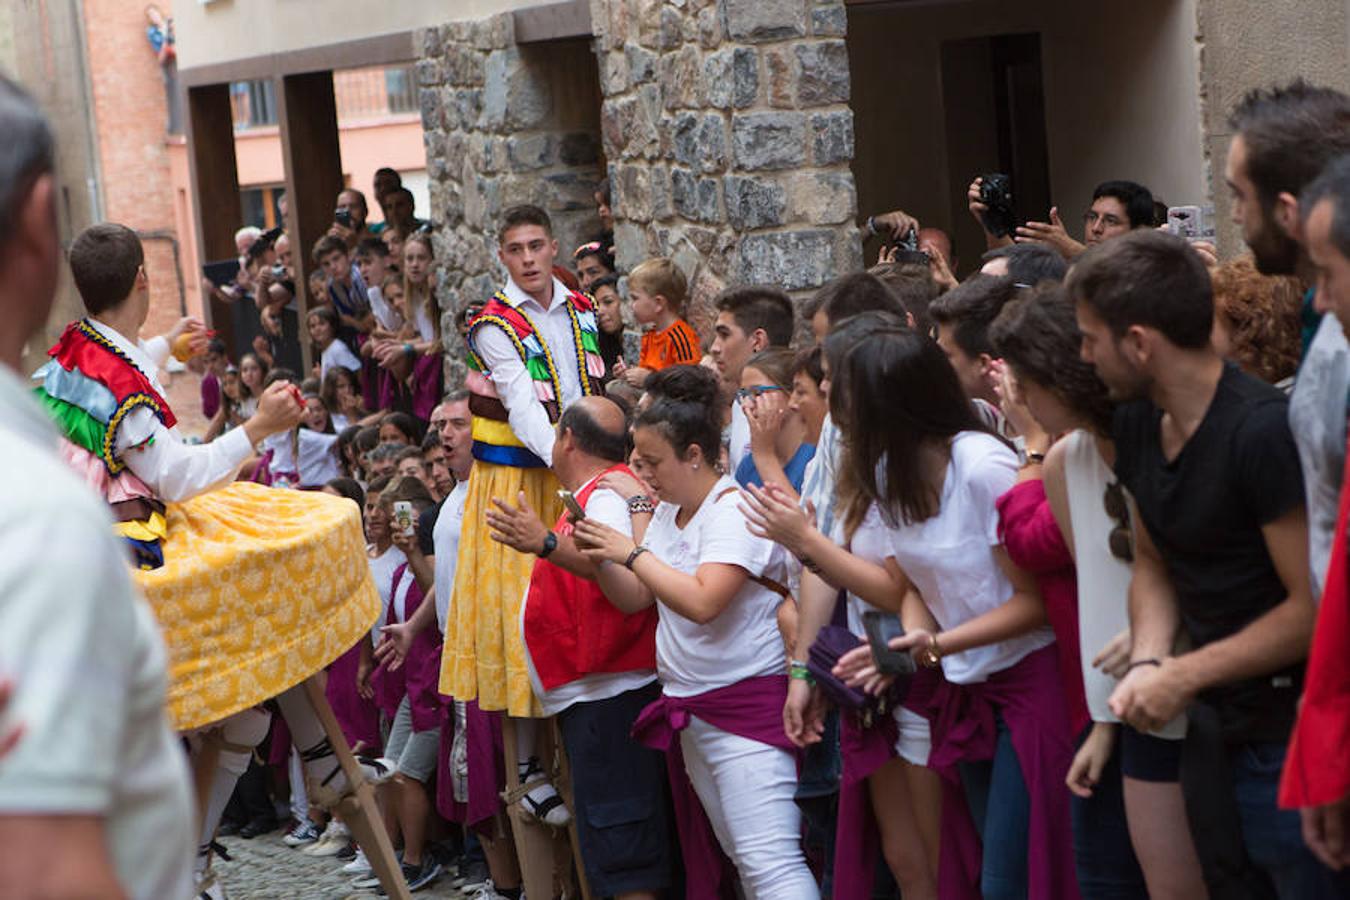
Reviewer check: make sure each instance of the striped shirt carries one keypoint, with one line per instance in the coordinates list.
(676, 345)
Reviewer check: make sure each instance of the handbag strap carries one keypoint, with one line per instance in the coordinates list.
(777, 587)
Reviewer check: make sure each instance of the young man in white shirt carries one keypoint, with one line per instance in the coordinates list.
(749, 319)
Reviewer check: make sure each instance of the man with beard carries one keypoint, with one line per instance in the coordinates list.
(1282, 138)
(1220, 545)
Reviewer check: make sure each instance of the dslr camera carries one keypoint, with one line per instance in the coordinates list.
(996, 193)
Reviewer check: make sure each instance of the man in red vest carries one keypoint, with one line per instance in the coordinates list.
(593, 664)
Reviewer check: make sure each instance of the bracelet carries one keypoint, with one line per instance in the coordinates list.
(550, 544)
(930, 657)
(1143, 662)
(408, 350)
(1034, 457)
(871, 226)
(639, 504)
(799, 672)
(632, 557)
(809, 564)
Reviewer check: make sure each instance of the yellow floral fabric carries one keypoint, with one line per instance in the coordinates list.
(484, 657)
(260, 588)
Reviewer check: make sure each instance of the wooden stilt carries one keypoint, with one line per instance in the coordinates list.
(358, 809)
(538, 847)
(563, 784)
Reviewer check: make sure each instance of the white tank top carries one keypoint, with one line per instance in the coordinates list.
(1103, 580)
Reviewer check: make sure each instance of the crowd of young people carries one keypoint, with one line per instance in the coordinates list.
(995, 587)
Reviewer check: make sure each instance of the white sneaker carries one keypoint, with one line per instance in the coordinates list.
(334, 838)
(358, 866)
(487, 891)
(304, 833)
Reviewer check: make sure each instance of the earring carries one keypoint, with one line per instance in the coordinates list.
(696, 466)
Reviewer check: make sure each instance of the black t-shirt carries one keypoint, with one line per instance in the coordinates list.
(1205, 510)
(426, 527)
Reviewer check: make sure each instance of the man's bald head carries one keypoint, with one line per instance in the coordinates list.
(598, 427)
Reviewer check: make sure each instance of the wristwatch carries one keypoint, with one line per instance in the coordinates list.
(550, 544)
(930, 657)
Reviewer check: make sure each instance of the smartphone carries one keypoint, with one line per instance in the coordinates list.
(881, 627)
(573, 507)
(1194, 223)
(343, 217)
(403, 517)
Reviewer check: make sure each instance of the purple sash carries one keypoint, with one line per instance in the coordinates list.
(751, 709)
(487, 777)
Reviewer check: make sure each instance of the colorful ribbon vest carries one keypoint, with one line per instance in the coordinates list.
(493, 440)
(89, 386)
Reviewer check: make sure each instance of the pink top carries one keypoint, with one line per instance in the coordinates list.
(1030, 534)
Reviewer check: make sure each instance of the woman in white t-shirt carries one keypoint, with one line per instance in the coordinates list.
(1039, 338)
(333, 353)
(719, 655)
(920, 454)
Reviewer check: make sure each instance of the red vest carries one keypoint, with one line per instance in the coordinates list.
(572, 630)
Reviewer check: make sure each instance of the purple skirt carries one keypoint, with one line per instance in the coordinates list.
(359, 717)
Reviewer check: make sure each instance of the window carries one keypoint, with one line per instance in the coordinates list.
(254, 103)
(401, 88)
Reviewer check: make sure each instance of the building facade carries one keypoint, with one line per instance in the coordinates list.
(747, 138)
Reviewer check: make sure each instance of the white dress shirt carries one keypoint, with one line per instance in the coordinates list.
(494, 347)
(174, 471)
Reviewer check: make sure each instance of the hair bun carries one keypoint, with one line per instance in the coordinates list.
(686, 384)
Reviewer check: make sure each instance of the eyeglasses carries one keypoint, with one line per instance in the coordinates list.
(746, 393)
(1121, 538)
(585, 249)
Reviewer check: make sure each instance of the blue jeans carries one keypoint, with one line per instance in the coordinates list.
(1103, 855)
(999, 803)
(1273, 836)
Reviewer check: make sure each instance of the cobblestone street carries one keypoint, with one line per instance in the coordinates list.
(266, 869)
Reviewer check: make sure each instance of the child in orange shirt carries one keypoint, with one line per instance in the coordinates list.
(657, 289)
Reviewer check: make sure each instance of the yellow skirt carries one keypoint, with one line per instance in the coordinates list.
(260, 589)
(484, 657)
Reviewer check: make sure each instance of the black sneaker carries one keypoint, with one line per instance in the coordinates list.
(259, 826)
(347, 853)
(474, 874)
(419, 877)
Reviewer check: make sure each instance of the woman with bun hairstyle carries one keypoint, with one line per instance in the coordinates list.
(719, 656)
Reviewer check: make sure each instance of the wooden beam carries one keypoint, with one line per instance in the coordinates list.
(214, 176)
(312, 158)
(381, 50)
(553, 21)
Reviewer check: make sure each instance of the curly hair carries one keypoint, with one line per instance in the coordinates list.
(1037, 333)
(1260, 314)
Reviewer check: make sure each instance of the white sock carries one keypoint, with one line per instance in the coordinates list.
(244, 729)
(526, 734)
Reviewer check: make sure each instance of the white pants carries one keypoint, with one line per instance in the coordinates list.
(746, 789)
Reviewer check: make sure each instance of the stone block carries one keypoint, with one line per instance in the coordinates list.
(514, 96)
(709, 26)
(824, 73)
(493, 33)
(754, 202)
(570, 190)
(700, 141)
(464, 67)
(649, 23)
(822, 198)
(613, 68)
(630, 244)
(528, 153)
(745, 77)
(663, 204)
(782, 77)
(696, 198)
(429, 101)
(671, 29)
(717, 79)
(645, 135)
(764, 20)
(641, 64)
(463, 109)
(832, 138)
(790, 260)
(768, 140)
(679, 77)
(633, 193)
(430, 72)
(829, 21)
(428, 42)
(579, 148)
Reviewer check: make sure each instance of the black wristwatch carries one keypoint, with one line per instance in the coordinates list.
(550, 544)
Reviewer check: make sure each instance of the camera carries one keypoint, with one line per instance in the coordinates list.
(996, 193)
(279, 271)
(343, 217)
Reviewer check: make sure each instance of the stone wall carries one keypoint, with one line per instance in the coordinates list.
(503, 124)
(728, 135)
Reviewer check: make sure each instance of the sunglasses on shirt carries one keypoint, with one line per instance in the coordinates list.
(1121, 538)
